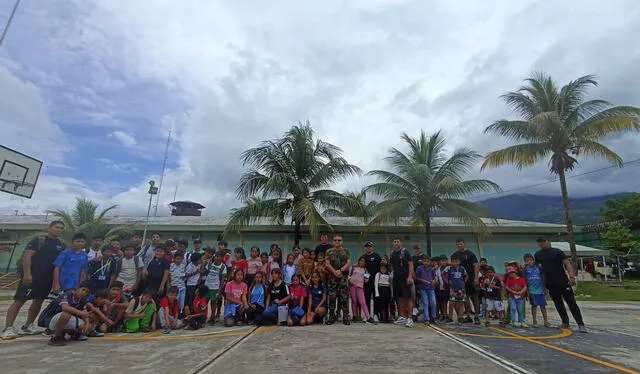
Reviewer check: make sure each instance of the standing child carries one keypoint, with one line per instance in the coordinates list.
(100, 271)
(169, 311)
(426, 277)
(516, 289)
(317, 302)
(289, 270)
(129, 269)
(492, 287)
(215, 281)
(456, 276)
(357, 277)
(254, 265)
(321, 268)
(198, 310)
(240, 261)
(535, 286)
(192, 275)
(382, 293)
(296, 303)
(177, 274)
(274, 263)
(70, 266)
(305, 267)
(442, 288)
(140, 312)
(235, 292)
(256, 300)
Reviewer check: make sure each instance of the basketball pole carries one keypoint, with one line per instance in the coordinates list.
(6, 26)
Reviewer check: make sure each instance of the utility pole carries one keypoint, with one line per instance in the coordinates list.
(164, 166)
(6, 26)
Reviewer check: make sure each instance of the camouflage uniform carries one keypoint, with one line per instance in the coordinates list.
(338, 287)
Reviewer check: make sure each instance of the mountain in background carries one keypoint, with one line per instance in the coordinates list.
(540, 208)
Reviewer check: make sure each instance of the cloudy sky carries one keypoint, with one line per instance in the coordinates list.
(92, 87)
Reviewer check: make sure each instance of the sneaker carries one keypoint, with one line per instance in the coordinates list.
(514, 325)
(524, 325)
(167, 331)
(95, 334)
(370, 321)
(28, 330)
(564, 326)
(8, 333)
(448, 320)
(400, 321)
(426, 323)
(81, 337)
(48, 333)
(476, 321)
(409, 323)
(582, 329)
(547, 324)
(57, 341)
(535, 325)
(145, 329)
(460, 321)
(330, 321)
(375, 319)
(467, 319)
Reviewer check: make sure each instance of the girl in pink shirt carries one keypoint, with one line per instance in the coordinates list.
(357, 278)
(235, 293)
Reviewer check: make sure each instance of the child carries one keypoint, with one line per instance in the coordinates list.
(139, 316)
(177, 275)
(296, 302)
(382, 296)
(321, 268)
(198, 310)
(100, 309)
(516, 288)
(67, 314)
(442, 288)
(296, 254)
(426, 277)
(129, 269)
(305, 267)
(492, 287)
(274, 263)
(240, 261)
(157, 272)
(119, 304)
(192, 275)
(535, 285)
(215, 281)
(100, 271)
(357, 279)
(317, 302)
(235, 292)
(70, 266)
(456, 276)
(254, 265)
(289, 270)
(257, 299)
(277, 295)
(170, 310)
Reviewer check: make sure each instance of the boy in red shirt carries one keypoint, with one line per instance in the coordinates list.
(516, 288)
(198, 310)
(169, 311)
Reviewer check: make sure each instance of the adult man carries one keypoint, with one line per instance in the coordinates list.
(338, 262)
(469, 262)
(555, 267)
(36, 279)
(372, 262)
(403, 276)
(94, 254)
(323, 246)
(147, 253)
(136, 239)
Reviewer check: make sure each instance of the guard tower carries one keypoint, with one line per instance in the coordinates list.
(186, 208)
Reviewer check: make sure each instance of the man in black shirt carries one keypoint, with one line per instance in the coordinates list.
(403, 276)
(323, 246)
(36, 280)
(469, 262)
(555, 267)
(372, 261)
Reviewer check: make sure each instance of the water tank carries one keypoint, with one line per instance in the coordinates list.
(186, 208)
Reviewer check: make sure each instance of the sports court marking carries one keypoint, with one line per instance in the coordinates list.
(157, 336)
(563, 334)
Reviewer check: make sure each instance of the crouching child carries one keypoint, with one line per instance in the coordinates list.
(68, 314)
(139, 316)
(170, 311)
(196, 313)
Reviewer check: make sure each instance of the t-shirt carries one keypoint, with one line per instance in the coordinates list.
(71, 265)
(533, 276)
(316, 294)
(93, 254)
(128, 273)
(306, 266)
(322, 249)
(493, 288)
(277, 292)
(357, 276)
(67, 298)
(236, 289)
(100, 273)
(193, 279)
(515, 284)
(428, 274)
(400, 263)
(200, 305)
(240, 264)
(174, 307)
(455, 276)
(288, 271)
(254, 265)
(552, 267)
(298, 293)
(43, 258)
(177, 273)
(372, 263)
(467, 260)
(132, 304)
(257, 295)
(416, 260)
(156, 269)
(217, 274)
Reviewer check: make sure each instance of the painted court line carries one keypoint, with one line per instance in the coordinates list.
(563, 334)
(569, 352)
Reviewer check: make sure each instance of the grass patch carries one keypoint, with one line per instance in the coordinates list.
(595, 291)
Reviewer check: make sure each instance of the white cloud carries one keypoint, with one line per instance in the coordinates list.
(128, 140)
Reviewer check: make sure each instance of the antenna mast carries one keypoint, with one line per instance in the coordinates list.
(164, 166)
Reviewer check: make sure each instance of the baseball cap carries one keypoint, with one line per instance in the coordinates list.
(542, 239)
(369, 244)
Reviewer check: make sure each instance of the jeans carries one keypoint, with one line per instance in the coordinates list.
(429, 306)
(182, 292)
(270, 314)
(558, 292)
(516, 306)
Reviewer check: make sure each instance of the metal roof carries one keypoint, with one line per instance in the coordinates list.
(582, 250)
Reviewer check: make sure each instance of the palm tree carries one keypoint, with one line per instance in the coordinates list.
(559, 124)
(289, 178)
(84, 218)
(425, 182)
(365, 209)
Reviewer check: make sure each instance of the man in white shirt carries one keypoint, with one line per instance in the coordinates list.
(147, 252)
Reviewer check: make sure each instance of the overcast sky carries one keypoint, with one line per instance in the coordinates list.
(92, 87)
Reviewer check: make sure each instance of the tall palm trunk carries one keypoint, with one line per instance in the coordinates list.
(427, 233)
(568, 218)
(296, 232)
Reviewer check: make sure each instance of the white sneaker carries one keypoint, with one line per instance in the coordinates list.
(375, 319)
(524, 325)
(8, 333)
(28, 330)
(409, 323)
(400, 321)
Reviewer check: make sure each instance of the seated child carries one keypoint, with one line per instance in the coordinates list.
(256, 300)
(169, 311)
(235, 293)
(296, 303)
(277, 295)
(119, 304)
(68, 314)
(196, 314)
(140, 312)
(317, 302)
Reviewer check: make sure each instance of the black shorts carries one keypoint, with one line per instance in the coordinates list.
(39, 290)
(400, 288)
(442, 295)
(470, 289)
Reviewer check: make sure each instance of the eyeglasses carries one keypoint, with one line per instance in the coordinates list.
(337, 240)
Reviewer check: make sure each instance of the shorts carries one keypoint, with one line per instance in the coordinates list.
(212, 295)
(442, 295)
(457, 295)
(74, 323)
(537, 300)
(401, 289)
(495, 305)
(38, 290)
(469, 288)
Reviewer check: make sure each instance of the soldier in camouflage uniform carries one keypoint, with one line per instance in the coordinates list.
(338, 262)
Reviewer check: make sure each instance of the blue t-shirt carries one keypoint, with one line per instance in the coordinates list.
(316, 294)
(533, 275)
(71, 265)
(257, 295)
(425, 273)
(455, 276)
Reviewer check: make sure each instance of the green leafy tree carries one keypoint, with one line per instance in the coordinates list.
(559, 124)
(621, 239)
(623, 208)
(365, 209)
(424, 182)
(289, 179)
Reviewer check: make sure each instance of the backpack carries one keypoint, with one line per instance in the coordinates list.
(143, 251)
(119, 264)
(19, 267)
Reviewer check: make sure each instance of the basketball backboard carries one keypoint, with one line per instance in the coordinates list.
(18, 172)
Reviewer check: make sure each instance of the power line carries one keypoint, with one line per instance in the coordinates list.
(6, 26)
(556, 179)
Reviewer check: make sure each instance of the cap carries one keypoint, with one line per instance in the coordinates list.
(169, 242)
(542, 239)
(197, 241)
(369, 244)
(417, 246)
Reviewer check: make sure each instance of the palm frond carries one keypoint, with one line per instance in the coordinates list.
(252, 211)
(520, 155)
(609, 121)
(595, 149)
(516, 130)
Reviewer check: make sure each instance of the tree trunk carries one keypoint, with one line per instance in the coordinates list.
(568, 219)
(427, 232)
(296, 233)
